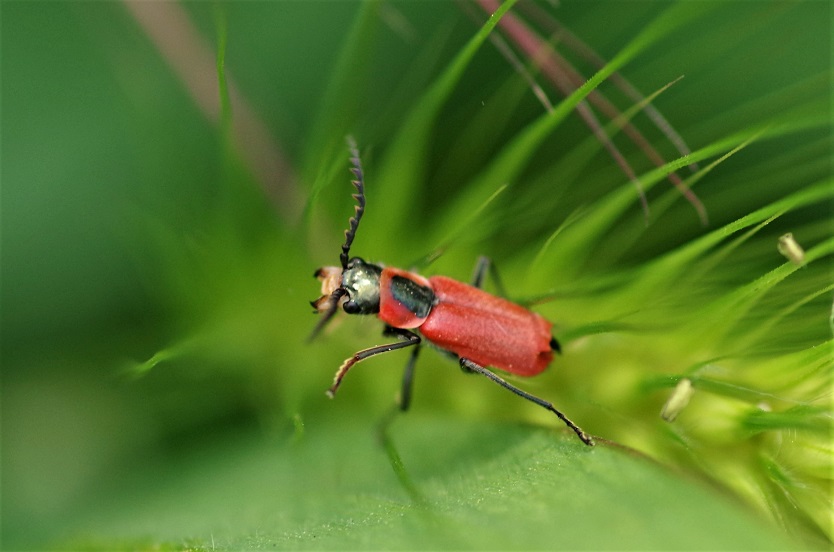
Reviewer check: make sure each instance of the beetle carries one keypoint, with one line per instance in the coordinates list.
(476, 327)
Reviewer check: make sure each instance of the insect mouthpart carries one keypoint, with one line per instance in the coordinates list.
(331, 280)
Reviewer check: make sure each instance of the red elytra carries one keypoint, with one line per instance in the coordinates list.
(486, 329)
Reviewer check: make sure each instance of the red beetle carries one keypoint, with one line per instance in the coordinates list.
(477, 327)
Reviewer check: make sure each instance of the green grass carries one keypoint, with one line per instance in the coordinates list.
(187, 412)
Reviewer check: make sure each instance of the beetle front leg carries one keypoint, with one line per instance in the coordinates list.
(412, 339)
(469, 366)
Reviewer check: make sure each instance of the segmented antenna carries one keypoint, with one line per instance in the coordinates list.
(359, 196)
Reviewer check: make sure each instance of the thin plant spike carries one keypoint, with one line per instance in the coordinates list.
(580, 47)
(567, 79)
(559, 71)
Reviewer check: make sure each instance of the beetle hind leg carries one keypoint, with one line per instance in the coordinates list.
(482, 267)
(470, 366)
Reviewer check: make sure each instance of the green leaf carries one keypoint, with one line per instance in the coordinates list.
(472, 486)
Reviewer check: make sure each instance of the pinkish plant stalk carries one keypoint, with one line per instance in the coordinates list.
(561, 73)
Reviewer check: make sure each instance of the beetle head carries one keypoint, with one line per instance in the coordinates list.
(356, 287)
(361, 282)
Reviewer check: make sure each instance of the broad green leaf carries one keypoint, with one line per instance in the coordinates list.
(468, 485)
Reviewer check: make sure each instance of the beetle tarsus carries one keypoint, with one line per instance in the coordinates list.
(340, 373)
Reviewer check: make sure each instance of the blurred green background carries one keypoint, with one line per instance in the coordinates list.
(137, 226)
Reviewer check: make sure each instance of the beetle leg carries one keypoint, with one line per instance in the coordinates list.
(405, 393)
(411, 337)
(483, 266)
(408, 380)
(408, 373)
(469, 366)
(480, 270)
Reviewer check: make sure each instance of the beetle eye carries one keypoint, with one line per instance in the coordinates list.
(351, 307)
